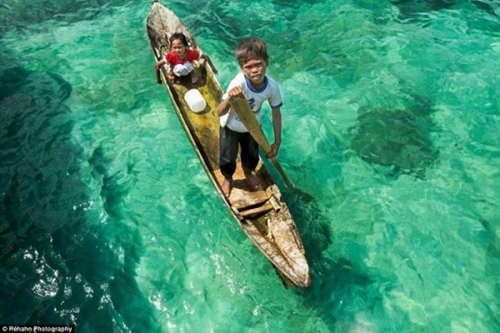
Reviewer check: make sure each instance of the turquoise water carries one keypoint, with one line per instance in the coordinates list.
(391, 122)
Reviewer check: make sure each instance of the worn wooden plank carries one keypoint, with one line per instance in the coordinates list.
(242, 195)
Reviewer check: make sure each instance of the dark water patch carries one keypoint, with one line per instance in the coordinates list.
(350, 292)
(312, 223)
(21, 15)
(485, 17)
(12, 77)
(47, 86)
(32, 116)
(479, 15)
(339, 289)
(490, 7)
(296, 5)
(485, 213)
(420, 12)
(59, 262)
(493, 241)
(399, 139)
(410, 8)
(39, 188)
(114, 186)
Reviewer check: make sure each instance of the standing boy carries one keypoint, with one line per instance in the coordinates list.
(257, 88)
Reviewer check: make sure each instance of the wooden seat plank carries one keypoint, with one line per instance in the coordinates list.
(242, 194)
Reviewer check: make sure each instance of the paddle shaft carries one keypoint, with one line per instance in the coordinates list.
(247, 117)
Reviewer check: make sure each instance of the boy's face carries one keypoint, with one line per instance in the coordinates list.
(255, 70)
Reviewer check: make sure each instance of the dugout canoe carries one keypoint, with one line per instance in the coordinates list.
(262, 214)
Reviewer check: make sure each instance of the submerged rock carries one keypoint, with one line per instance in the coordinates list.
(394, 138)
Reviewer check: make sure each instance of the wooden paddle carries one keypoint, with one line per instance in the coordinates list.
(247, 117)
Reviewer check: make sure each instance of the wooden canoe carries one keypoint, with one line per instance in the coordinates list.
(262, 214)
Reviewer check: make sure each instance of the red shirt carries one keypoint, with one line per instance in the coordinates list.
(191, 55)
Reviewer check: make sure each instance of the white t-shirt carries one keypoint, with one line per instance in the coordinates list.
(270, 92)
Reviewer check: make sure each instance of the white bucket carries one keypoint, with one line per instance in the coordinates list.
(195, 100)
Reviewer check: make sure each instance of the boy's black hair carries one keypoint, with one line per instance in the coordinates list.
(180, 36)
(251, 48)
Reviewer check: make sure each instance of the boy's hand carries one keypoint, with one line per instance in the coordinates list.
(235, 92)
(274, 150)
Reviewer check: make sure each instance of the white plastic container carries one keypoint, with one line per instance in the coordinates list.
(195, 100)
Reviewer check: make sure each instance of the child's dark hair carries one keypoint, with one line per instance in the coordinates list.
(251, 48)
(179, 36)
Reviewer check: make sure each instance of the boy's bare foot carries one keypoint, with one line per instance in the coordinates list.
(226, 187)
(194, 76)
(254, 181)
(171, 76)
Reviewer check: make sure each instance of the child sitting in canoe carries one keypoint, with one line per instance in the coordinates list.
(180, 58)
(257, 88)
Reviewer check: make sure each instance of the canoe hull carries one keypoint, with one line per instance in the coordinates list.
(262, 214)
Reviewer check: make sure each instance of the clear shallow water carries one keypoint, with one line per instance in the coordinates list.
(391, 122)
